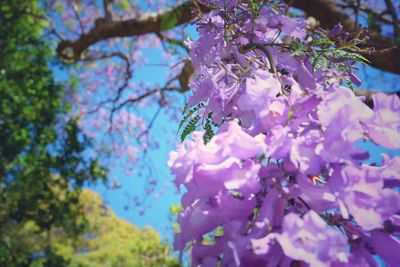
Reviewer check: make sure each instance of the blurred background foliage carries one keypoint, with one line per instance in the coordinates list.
(106, 241)
(46, 219)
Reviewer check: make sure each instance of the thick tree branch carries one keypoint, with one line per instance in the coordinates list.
(149, 23)
(386, 58)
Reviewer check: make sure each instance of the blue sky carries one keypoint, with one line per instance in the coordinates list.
(156, 215)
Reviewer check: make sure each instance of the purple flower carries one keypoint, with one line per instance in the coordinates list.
(339, 138)
(387, 246)
(303, 152)
(305, 78)
(354, 79)
(204, 215)
(384, 127)
(272, 211)
(283, 174)
(274, 114)
(279, 142)
(389, 171)
(362, 193)
(222, 153)
(293, 27)
(260, 89)
(310, 239)
(317, 196)
(338, 99)
(231, 175)
(336, 30)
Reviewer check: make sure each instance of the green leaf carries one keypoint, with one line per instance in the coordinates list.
(323, 41)
(187, 116)
(255, 9)
(208, 240)
(349, 83)
(124, 4)
(297, 48)
(175, 208)
(219, 231)
(209, 132)
(190, 127)
(319, 60)
(350, 56)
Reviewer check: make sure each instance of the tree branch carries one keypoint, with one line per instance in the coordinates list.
(147, 23)
(78, 17)
(386, 58)
(168, 87)
(107, 9)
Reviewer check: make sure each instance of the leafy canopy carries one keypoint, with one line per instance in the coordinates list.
(42, 162)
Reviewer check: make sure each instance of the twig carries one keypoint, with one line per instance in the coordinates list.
(78, 17)
(252, 46)
(107, 10)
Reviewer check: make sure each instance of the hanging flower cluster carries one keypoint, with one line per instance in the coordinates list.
(283, 181)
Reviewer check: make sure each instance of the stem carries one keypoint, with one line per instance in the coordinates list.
(252, 46)
(305, 203)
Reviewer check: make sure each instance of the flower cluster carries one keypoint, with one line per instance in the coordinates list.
(283, 182)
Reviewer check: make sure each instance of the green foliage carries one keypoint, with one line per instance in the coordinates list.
(318, 60)
(349, 83)
(349, 56)
(45, 219)
(175, 209)
(112, 241)
(209, 132)
(107, 241)
(255, 8)
(42, 163)
(323, 41)
(192, 111)
(193, 121)
(124, 4)
(325, 53)
(190, 127)
(193, 115)
(297, 48)
(211, 238)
